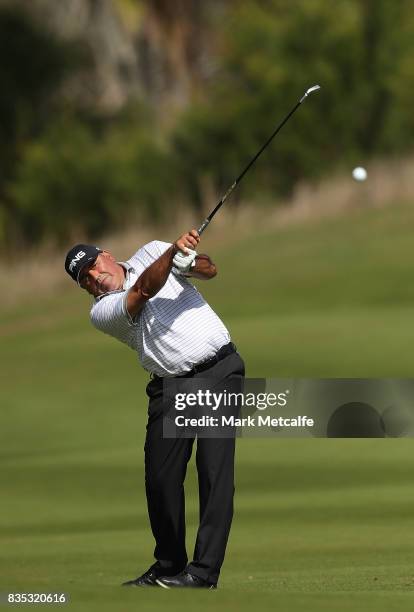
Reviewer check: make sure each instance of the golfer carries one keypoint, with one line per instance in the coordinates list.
(149, 303)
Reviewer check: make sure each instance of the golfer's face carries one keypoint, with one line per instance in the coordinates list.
(102, 276)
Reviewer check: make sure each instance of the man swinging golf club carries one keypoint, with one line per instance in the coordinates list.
(149, 303)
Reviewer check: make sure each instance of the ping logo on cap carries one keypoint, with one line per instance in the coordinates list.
(79, 256)
(75, 260)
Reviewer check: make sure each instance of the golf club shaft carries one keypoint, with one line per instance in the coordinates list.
(251, 162)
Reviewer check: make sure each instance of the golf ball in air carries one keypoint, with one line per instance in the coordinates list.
(359, 173)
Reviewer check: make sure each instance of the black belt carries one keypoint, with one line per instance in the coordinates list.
(223, 352)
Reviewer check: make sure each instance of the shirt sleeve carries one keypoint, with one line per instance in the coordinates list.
(149, 253)
(110, 316)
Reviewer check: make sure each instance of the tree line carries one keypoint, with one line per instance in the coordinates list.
(68, 171)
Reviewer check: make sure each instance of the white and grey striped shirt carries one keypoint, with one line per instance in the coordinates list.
(175, 330)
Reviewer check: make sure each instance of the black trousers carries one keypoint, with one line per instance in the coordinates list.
(165, 470)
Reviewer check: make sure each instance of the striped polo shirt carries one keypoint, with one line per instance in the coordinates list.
(175, 330)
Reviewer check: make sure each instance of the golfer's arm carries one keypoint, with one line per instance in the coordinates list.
(150, 282)
(204, 268)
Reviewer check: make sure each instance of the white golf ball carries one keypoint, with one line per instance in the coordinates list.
(359, 173)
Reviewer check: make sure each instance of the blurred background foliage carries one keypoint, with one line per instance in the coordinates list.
(118, 110)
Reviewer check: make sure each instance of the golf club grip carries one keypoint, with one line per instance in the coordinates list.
(203, 226)
(217, 208)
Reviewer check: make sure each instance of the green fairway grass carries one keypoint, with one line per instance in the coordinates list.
(319, 524)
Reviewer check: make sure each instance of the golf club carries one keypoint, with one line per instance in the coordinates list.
(251, 162)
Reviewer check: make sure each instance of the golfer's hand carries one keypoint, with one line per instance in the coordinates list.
(183, 263)
(187, 241)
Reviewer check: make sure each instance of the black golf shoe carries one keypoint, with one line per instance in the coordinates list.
(150, 577)
(184, 579)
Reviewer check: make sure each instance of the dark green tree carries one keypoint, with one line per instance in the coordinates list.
(33, 64)
(271, 51)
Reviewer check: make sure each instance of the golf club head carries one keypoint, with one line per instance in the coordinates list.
(309, 91)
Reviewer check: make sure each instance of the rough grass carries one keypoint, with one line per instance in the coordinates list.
(389, 181)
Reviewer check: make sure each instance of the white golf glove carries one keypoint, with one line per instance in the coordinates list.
(183, 263)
